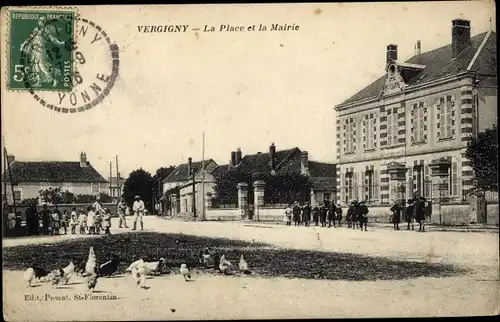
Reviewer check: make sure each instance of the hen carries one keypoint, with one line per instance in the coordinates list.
(185, 272)
(91, 282)
(244, 266)
(139, 276)
(90, 266)
(225, 265)
(68, 272)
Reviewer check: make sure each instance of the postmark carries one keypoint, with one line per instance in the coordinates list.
(40, 50)
(94, 69)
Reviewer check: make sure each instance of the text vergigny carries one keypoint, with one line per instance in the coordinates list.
(217, 28)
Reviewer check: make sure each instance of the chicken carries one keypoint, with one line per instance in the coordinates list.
(91, 282)
(134, 265)
(139, 276)
(225, 265)
(244, 266)
(90, 266)
(57, 277)
(29, 276)
(185, 272)
(206, 256)
(68, 272)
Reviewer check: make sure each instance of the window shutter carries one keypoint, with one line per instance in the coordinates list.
(355, 185)
(363, 185)
(448, 119)
(342, 186)
(454, 178)
(442, 126)
(411, 182)
(421, 124)
(427, 182)
(376, 185)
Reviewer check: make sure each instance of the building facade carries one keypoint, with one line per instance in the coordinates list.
(27, 178)
(420, 111)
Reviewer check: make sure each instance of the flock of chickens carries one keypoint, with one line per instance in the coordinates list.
(138, 269)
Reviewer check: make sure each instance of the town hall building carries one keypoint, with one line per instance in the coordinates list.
(419, 113)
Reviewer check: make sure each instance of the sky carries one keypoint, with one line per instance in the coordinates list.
(242, 89)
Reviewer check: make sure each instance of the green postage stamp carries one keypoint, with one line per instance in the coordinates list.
(41, 50)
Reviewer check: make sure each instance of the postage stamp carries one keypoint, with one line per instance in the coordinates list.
(41, 50)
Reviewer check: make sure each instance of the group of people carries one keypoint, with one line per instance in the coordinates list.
(327, 214)
(93, 220)
(415, 211)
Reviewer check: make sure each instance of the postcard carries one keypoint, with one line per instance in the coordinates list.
(249, 161)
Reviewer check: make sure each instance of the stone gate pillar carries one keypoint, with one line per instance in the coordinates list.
(258, 197)
(397, 179)
(440, 174)
(243, 199)
(173, 204)
(208, 200)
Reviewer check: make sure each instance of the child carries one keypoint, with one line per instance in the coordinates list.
(64, 221)
(98, 223)
(91, 220)
(396, 214)
(409, 214)
(55, 223)
(73, 220)
(107, 221)
(82, 219)
(338, 211)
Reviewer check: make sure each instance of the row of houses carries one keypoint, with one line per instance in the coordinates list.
(294, 160)
(24, 179)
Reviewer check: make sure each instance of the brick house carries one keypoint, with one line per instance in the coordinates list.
(420, 110)
(29, 177)
(292, 160)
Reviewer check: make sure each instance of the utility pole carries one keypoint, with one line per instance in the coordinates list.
(110, 179)
(194, 191)
(203, 178)
(11, 183)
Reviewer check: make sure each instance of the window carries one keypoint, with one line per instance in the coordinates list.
(392, 126)
(349, 136)
(349, 186)
(369, 185)
(418, 179)
(18, 195)
(418, 121)
(453, 184)
(446, 117)
(369, 134)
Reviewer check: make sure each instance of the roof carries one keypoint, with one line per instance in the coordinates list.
(220, 169)
(323, 175)
(53, 171)
(259, 163)
(439, 63)
(180, 173)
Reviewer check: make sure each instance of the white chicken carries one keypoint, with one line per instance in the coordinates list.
(244, 266)
(185, 272)
(68, 272)
(90, 266)
(150, 268)
(225, 265)
(29, 276)
(139, 276)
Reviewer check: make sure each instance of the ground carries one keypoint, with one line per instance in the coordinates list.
(469, 261)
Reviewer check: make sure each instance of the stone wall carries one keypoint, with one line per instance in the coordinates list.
(226, 214)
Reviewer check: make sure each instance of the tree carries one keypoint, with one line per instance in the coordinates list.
(158, 178)
(29, 201)
(51, 195)
(68, 197)
(226, 185)
(482, 151)
(139, 182)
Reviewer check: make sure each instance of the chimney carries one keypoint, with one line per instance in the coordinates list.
(418, 47)
(460, 36)
(272, 156)
(233, 158)
(190, 165)
(304, 163)
(83, 159)
(392, 53)
(238, 156)
(10, 158)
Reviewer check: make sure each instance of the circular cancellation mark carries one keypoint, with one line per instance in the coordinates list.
(91, 82)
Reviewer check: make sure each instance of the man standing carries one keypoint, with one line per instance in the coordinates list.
(363, 214)
(306, 214)
(296, 213)
(138, 208)
(45, 219)
(98, 209)
(121, 209)
(331, 214)
(315, 212)
(338, 211)
(420, 212)
(32, 222)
